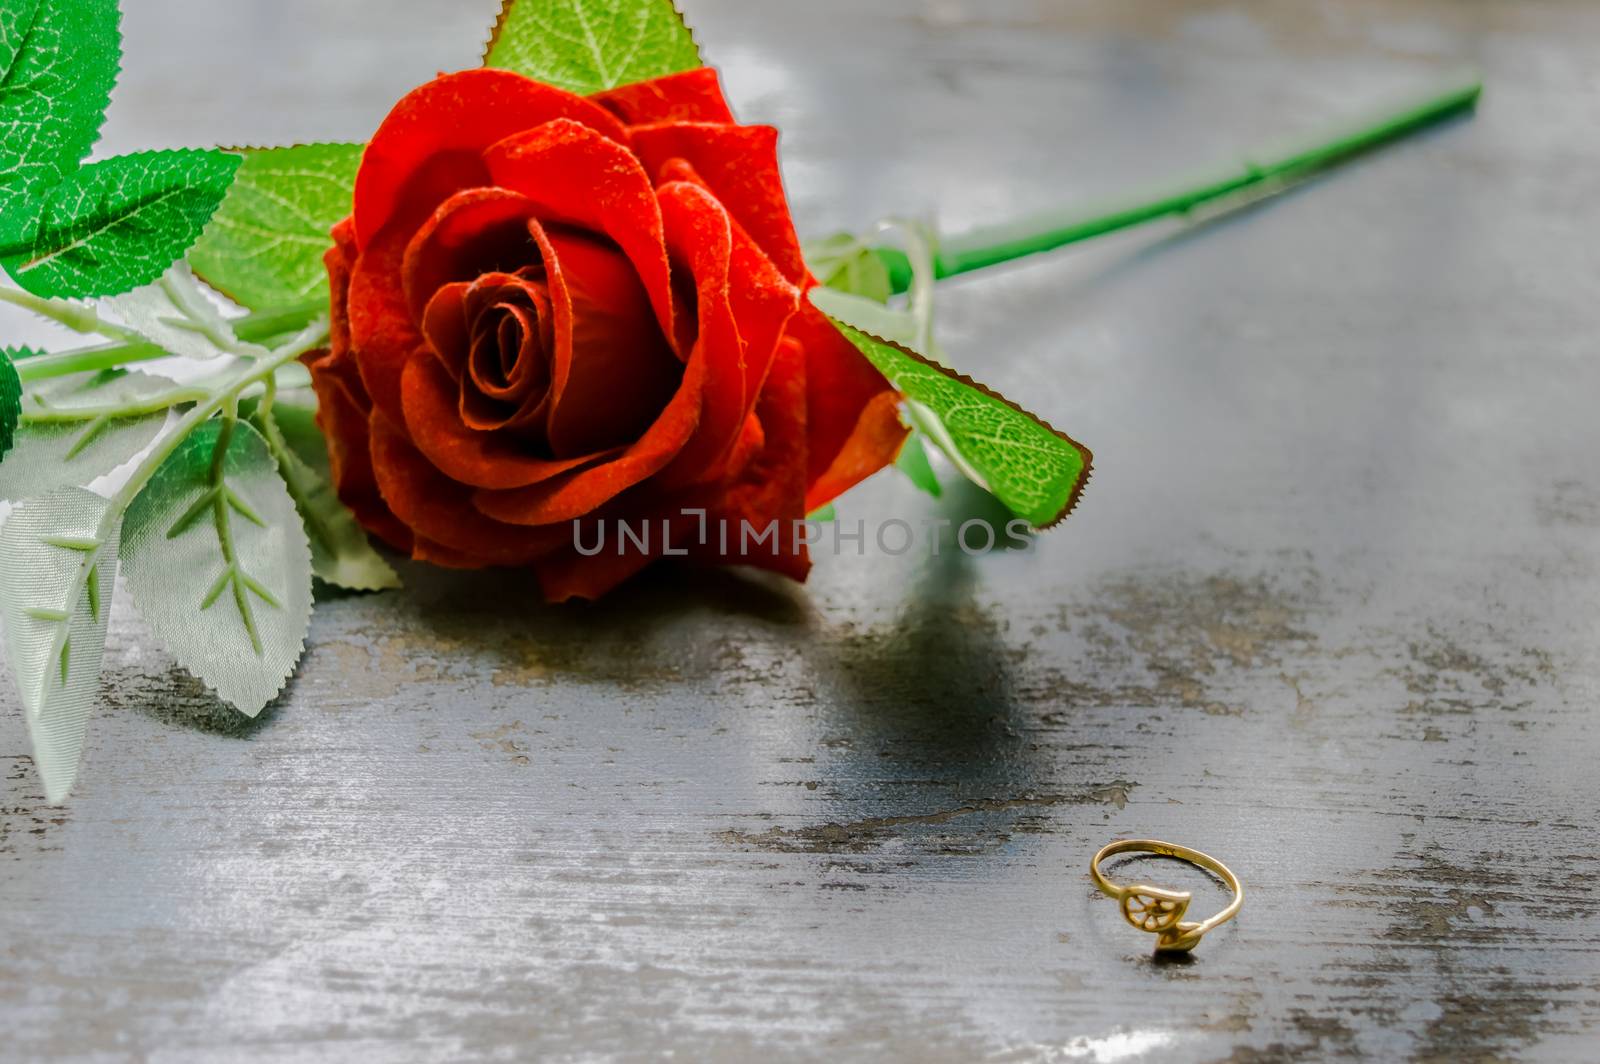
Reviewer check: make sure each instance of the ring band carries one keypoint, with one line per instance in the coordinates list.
(1161, 911)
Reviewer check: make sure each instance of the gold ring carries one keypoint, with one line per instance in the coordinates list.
(1161, 911)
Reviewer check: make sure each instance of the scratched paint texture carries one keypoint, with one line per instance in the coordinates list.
(1330, 610)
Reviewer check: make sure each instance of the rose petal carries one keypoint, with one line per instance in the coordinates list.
(479, 231)
(437, 508)
(873, 444)
(339, 261)
(613, 371)
(446, 329)
(841, 384)
(509, 362)
(576, 494)
(691, 96)
(426, 550)
(567, 575)
(744, 304)
(739, 165)
(382, 335)
(752, 438)
(851, 429)
(523, 403)
(342, 416)
(454, 117)
(479, 459)
(577, 177)
(772, 486)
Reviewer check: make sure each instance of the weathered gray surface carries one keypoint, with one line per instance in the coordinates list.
(1331, 610)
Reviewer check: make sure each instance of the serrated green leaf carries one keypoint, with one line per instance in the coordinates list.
(341, 554)
(76, 428)
(10, 399)
(586, 46)
(16, 22)
(58, 567)
(119, 223)
(58, 61)
(264, 246)
(218, 564)
(1034, 470)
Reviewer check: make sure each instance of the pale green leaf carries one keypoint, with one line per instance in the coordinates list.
(10, 398)
(58, 61)
(586, 46)
(76, 428)
(119, 223)
(868, 315)
(842, 262)
(340, 551)
(264, 246)
(217, 562)
(174, 314)
(58, 567)
(1034, 470)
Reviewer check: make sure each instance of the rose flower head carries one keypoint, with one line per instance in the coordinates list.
(551, 310)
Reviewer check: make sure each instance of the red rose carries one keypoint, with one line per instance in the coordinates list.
(551, 309)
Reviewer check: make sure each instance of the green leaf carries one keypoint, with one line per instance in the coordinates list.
(218, 564)
(264, 245)
(913, 462)
(119, 223)
(844, 263)
(586, 46)
(869, 316)
(58, 567)
(1034, 470)
(16, 22)
(76, 428)
(175, 315)
(10, 398)
(340, 551)
(58, 61)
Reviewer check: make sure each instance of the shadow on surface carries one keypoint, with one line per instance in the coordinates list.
(672, 624)
(929, 695)
(176, 697)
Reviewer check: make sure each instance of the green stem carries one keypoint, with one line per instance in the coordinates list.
(75, 316)
(255, 328)
(48, 415)
(1266, 171)
(198, 312)
(260, 370)
(222, 501)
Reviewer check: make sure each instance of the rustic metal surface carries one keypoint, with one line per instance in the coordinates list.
(1330, 611)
